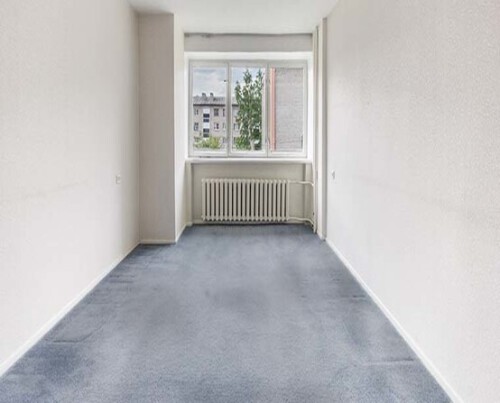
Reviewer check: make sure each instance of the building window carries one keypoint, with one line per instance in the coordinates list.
(196, 126)
(267, 108)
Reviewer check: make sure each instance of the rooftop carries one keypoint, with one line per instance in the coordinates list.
(205, 99)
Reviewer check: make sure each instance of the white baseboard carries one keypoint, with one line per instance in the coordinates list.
(406, 336)
(166, 241)
(13, 358)
(198, 221)
(188, 224)
(157, 241)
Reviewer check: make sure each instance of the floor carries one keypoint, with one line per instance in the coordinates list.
(229, 314)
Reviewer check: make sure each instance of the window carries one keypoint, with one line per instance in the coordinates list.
(266, 104)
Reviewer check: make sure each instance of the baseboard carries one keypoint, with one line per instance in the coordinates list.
(10, 361)
(290, 222)
(188, 224)
(406, 336)
(157, 241)
(166, 241)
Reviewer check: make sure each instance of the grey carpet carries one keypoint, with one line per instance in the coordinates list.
(229, 314)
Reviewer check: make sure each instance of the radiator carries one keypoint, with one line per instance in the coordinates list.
(245, 200)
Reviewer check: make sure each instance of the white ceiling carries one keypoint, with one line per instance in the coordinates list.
(242, 16)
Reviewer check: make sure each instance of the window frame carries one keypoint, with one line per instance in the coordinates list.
(266, 64)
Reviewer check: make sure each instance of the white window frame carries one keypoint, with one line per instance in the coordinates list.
(266, 64)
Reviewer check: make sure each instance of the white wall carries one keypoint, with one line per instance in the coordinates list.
(413, 123)
(301, 196)
(68, 125)
(181, 139)
(320, 147)
(157, 128)
(248, 43)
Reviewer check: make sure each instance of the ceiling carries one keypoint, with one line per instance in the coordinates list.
(242, 16)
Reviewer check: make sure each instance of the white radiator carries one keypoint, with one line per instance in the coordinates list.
(245, 200)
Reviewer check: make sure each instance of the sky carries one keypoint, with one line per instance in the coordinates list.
(213, 79)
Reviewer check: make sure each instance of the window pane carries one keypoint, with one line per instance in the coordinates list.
(286, 98)
(247, 89)
(208, 97)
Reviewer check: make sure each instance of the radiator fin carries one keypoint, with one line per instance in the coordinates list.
(245, 200)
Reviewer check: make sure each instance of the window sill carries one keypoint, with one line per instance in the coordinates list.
(241, 161)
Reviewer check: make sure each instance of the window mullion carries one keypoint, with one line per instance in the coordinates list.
(267, 109)
(229, 111)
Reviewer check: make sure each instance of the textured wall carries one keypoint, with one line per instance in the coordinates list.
(157, 127)
(68, 125)
(181, 133)
(413, 123)
(248, 43)
(289, 106)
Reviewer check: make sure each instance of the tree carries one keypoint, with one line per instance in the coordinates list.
(249, 118)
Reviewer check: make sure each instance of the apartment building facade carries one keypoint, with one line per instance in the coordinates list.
(210, 117)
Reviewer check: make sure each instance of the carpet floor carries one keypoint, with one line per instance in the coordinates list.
(229, 314)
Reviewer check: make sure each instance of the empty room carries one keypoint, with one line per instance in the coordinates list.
(249, 201)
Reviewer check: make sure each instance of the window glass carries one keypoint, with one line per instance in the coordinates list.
(240, 108)
(248, 97)
(208, 95)
(286, 109)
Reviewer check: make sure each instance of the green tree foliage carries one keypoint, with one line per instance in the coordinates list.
(213, 143)
(249, 118)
